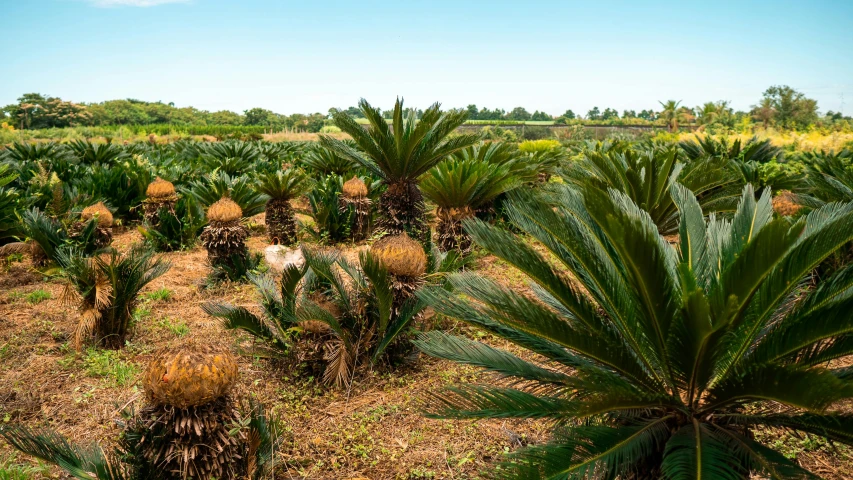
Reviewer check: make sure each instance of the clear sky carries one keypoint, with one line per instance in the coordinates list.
(306, 56)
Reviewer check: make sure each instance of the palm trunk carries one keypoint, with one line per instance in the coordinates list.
(280, 222)
(402, 210)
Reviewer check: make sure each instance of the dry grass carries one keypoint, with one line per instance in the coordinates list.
(805, 141)
(372, 431)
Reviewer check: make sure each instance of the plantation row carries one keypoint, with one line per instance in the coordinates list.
(692, 293)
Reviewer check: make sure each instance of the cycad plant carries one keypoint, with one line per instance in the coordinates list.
(175, 228)
(281, 187)
(828, 177)
(459, 188)
(646, 173)
(362, 326)
(399, 154)
(753, 150)
(341, 214)
(44, 236)
(234, 158)
(320, 160)
(659, 360)
(241, 190)
(105, 289)
(257, 438)
(9, 222)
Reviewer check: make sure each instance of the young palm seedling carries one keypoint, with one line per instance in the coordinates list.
(661, 361)
(99, 215)
(105, 289)
(44, 236)
(349, 321)
(281, 187)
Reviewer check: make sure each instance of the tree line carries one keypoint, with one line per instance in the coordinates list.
(780, 106)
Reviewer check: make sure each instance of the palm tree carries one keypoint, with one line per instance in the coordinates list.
(127, 461)
(281, 187)
(673, 113)
(660, 361)
(459, 188)
(362, 327)
(399, 154)
(646, 173)
(9, 222)
(105, 290)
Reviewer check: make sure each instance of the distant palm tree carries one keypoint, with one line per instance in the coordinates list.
(673, 113)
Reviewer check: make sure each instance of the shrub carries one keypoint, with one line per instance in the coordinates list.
(660, 361)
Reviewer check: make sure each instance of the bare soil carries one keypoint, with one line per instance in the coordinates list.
(374, 430)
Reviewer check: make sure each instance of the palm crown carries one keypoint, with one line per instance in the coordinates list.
(400, 153)
(283, 185)
(660, 360)
(646, 174)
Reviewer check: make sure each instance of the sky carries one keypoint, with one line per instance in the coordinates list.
(306, 56)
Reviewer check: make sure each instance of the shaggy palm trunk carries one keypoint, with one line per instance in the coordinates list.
(451, 235)
(224, 241)
(192, 442)
(402, 210)
(280, 222)
(185, 431)
(151, 211)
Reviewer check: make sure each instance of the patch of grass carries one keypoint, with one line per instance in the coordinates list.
(176, 326)
(109, 365)
(160, 295)
(37, 296)
(19, 471)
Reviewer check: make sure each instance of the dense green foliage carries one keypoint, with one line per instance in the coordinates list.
(661, 360)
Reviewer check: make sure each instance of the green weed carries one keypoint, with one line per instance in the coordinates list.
(109, 365)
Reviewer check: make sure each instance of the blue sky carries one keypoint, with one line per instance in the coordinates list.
(308, 56)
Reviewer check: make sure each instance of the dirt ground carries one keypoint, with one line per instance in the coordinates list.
(372, 431)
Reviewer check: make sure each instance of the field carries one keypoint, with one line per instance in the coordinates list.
(451, 312)
(373, 430)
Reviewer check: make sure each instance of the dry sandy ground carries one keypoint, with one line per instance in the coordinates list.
(372, 431)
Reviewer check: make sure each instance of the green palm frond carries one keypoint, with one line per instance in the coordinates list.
(470, 184)
(404, 150)
(654, 349)
(283, 184)
(218, 184)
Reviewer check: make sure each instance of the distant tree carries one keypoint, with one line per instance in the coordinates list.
(472, 112)
(569, 115)
(518, 113)
(629, 114)
(259, 116)
(673, 114)
(790, 108)
(353, 112)
(609, 114)
(715, 113)
(647, 115)
(594, 114)
(225, 117)
(540, 116)
(764, 112)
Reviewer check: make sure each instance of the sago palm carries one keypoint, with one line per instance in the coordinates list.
(281, 187)
(646, 173)
(459, 188)
(399, 154)
(657, 362)
(364, 326)
(9, 222)
(105, 289)
(828, 177)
